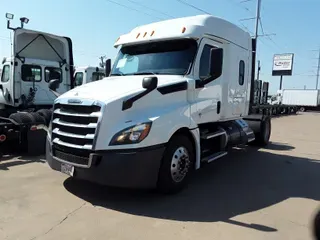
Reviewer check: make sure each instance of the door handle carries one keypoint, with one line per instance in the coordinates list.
(218, 107)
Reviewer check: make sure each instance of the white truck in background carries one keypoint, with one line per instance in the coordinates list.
(179, 95)
(86, 74)
(305, 99)
(25, 97)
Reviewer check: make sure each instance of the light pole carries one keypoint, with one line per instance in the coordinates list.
(10, 16)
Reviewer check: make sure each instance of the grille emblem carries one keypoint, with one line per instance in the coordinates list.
(78, 101)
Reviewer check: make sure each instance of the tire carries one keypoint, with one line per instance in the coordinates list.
(263, 136)
(179, 152)
(46, 114)
(316, 226)
(302, 109)
(22, 118)
(38, 118)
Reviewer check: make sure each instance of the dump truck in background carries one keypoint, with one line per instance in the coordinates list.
(304, 99)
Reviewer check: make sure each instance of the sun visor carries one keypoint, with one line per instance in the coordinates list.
(44, 46)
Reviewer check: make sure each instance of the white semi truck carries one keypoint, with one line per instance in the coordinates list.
(86, 74)
(25, 97)
(179, 96)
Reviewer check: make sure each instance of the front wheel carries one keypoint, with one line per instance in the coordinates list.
(176, 164)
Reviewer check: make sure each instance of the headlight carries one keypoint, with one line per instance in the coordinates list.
(133, 134)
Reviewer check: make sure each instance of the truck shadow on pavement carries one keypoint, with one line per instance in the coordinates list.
(246, 180)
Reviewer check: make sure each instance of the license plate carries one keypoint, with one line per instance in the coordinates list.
(67, 169)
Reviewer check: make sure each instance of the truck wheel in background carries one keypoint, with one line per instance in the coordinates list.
(22, 118)
(37, 118)
(262, 136)
(46, 114)
(302, 109)
(177, 161)
(316, 226)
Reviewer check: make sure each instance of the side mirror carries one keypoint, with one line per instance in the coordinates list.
(150, 83)
(215, 62)
(53, 85)
(108, 67)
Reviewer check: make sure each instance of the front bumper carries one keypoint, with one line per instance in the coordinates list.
(136, 168)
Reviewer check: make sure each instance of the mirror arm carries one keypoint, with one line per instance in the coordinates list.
(201, 83)
(55, 93)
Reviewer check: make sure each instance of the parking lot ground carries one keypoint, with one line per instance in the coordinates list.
(250, 194)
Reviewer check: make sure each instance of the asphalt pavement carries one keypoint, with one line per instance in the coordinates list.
(270, 193)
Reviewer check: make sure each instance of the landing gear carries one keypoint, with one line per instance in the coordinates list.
(176, 164)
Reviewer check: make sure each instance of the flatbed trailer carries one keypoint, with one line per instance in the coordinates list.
(260, 105)
(274, 110)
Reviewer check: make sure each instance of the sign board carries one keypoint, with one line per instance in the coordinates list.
(282, 64)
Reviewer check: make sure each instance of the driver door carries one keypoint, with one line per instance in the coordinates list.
(208, 97)
(6, 86)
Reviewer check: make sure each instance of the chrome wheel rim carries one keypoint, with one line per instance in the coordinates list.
(180, 164)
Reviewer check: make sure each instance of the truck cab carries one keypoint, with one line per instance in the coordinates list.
(87, 74)
(178, 96)
(37, 58)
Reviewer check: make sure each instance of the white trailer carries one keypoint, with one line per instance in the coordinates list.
(177, 98)
(305, 99)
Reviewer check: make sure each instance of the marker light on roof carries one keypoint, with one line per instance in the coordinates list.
(183, 29)
(152, 33)
(145, 34)
(138, 35)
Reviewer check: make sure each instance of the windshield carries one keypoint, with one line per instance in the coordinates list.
(167, 57)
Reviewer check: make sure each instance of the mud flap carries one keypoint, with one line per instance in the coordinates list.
(36, 142)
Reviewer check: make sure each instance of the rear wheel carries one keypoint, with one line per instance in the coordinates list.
(263, 136)
(38, 118)
(176, 164)
(302, 109)
(316, 226)
(46, 114)
(22, 118)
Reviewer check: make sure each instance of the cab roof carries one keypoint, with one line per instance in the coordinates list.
(187, 27)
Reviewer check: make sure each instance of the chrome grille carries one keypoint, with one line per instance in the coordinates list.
(74, 126)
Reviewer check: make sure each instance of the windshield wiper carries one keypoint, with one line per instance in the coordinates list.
(145, 73)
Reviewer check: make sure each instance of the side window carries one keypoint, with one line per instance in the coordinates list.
(97, 76)
(52, 73)
(5, 73)
(204, 62)
(217, 60)
(241, 72)
(78, 79)
(30, 73)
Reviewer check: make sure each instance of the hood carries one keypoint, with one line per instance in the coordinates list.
(117, 87)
